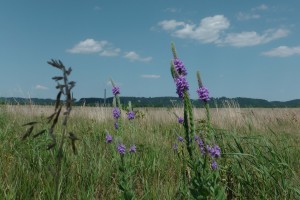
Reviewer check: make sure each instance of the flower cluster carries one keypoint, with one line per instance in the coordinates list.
(116, 113)
(203, 94)
(132, 149)
(116, 90)
(130, 115)
(180, 139)
(181, 86)
(180, 120)
(121, 149)
(179, 66)
(108, 138)
(215, 152)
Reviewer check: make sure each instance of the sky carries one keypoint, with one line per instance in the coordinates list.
(241, 48)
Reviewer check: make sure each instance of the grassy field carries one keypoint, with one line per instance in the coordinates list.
(259, 160)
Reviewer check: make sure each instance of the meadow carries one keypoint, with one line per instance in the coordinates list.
(122, 152)
(260, 153)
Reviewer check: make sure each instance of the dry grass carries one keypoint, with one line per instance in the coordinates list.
(285, 120)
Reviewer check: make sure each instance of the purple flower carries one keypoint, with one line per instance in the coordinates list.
(121, 149)
(214, 165)
(215, 151)
(180, 139)
(116, 125)
(108, 138)
(116, 113)
(132, 149)
(179, 66)
(180, 120)
(115, 90)
(203, 94)
(201, 146)
(130, 115)
(196, 137)
(181, 86)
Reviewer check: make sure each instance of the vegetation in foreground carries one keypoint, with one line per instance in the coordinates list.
(126, 157)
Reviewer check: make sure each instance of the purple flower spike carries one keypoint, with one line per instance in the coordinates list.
(116, 113)
(216, 151)
(181, 86)
(115, 90)
(196, 137)
(132, 149)
(203, 94)
(180, 68)
(180, 120)
(201, 146)
(121, 149)
(214, 165)
(180, 139)
(130, 115)
(116, 125)
(108, 138)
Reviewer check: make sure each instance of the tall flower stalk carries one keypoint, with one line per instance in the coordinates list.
(201, 179)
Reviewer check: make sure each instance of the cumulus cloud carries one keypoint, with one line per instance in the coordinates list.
(252, 38)
(104, 48)
(207, 31)
(88, 46)
(133, 56)
(214, 30)
(40, 87)
(154, 76)
(283, 51)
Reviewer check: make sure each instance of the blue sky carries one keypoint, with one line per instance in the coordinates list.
(242, 48)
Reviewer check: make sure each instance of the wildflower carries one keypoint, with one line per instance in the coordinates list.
(215, 151)
(201, 145)
(108, 138)
(121, 149)
(116, 113)
(116, 90)
(214, 165)
(203, 94)
(116, 125)
(130, 115)
(180, 120)
(180, 139)
(196, 137)
(179, 66)
(181, 86)
(132, 149)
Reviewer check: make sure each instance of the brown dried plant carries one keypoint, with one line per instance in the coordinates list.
(64, 87)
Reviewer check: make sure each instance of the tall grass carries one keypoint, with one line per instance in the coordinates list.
(259, 162)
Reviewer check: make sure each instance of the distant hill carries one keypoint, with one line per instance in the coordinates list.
(163, 102)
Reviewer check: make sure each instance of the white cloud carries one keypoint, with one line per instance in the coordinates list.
(252, 38)
(88, 46)
(170, 25)
(111, 52)
(208, 31)
(154, 76)
(133, 56)
(246, 16)
(283, 51)
(40, 87)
